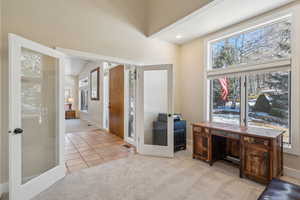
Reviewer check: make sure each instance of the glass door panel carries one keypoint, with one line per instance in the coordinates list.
(105, 95)
(39, 78)
(155, 109)
(131, 101)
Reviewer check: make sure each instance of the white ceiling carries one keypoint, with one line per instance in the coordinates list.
(214, 16)
(74, 66)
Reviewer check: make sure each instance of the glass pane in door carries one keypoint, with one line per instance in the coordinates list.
(39, 102)
(156, 107)
(131, 101)
(106, 95)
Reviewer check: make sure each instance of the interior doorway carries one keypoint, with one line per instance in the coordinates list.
(129, 86)
(90, 139)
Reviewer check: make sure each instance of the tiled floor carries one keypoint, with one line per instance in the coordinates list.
(93, 147)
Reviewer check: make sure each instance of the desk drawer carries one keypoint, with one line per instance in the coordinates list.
(201, 129)
(225, 134)
(257, 141)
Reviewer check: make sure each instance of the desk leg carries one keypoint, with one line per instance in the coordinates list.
(242, 153)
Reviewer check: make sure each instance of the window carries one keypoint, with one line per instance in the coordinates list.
(269, 101)
(84, 98)
(226, 100)
(264, 44)
(84, 93)
(250, 78)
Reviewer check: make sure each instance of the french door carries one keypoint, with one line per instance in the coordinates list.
(155, 110)
(36, 124)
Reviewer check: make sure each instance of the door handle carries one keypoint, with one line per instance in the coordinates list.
(18, 131)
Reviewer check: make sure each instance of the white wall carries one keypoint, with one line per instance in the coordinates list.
(94, 113)
(191, 76)
(112, 28)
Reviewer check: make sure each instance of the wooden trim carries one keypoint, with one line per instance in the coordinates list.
(98, 84)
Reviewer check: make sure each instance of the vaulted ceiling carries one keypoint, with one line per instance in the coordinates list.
(178, 21)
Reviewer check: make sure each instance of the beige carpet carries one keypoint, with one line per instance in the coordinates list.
(140, 178)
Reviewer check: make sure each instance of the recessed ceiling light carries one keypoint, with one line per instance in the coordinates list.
(178, 36)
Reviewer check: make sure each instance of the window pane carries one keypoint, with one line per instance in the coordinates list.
(84, 93)
(226, 99)
(268, 101)
(259, 45)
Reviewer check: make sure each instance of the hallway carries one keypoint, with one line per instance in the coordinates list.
(92, 147)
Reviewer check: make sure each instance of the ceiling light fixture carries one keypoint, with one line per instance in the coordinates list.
(178, 36)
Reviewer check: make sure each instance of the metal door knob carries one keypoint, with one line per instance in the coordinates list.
(18, 131)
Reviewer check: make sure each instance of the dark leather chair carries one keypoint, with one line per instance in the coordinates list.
(281, 190)
(160, 131)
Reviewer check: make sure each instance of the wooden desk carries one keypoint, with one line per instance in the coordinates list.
(258, 151)
(70, 114)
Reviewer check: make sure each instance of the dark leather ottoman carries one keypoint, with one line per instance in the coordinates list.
(281, 190)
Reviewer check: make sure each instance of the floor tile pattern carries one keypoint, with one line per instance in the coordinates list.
(93, 147)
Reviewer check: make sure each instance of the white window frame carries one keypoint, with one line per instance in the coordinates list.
(293, 13)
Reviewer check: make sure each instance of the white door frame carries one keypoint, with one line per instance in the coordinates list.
(130, 140)
(17, 190)
(155, 150)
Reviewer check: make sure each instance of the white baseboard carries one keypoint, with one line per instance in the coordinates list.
(294, 173)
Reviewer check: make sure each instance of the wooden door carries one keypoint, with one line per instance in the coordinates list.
(116, 100)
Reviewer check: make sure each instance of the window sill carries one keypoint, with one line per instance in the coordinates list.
(84, 111)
